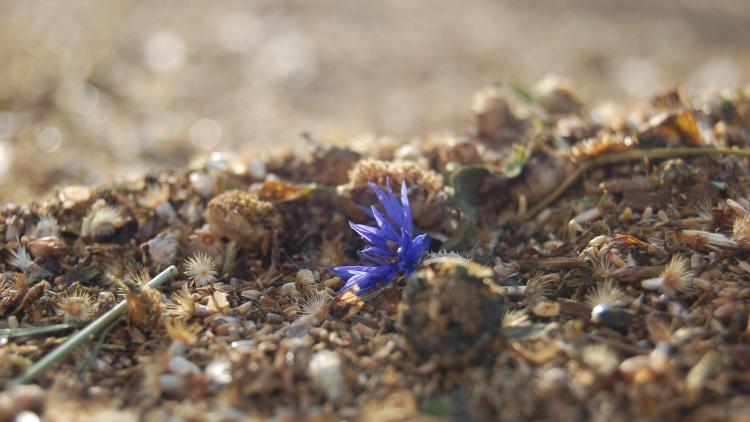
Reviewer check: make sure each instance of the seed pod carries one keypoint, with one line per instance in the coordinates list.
(241, 217)
(449, 312)
(428, 194)
(304, 281)
(51, 247)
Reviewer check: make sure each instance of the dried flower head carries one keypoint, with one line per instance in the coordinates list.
(429, 195)
(203, 240)
(601, 358)
(101, 221)
(77, 306)
(201, 269)
(139, 275)
(154, 196)
(393, 249)
(242, 217)
(659, 330)
(20, 258)
(741, 230)
(316, 304)
(676, 277)
(181, 304)
(382, 173)
(602, 265)
(606, 294)
(10, 290)
(178, 330)
(47, 226)
(515, 318)
(539, 287)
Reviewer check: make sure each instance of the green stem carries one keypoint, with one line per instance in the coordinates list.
(37, 331)
(76, 339)
(637, 154)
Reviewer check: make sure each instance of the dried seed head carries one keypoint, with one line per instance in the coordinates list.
(178, 330)
(449, 312)
(677, 276)
(705, 213)
(181, 304)
(515, 318)
(304, 281)
(601, 358)
(539, 287)
(606, 294)
(316, 304)
(658, 330)
(741, 230)
(77, 306)
(144, 306)
(201, 269)
(428, 195)
(47, 226)
(101, 221)
(379, 172)
(154, 196)
(163, 248)
(242, 217)
(20, 258)
(545, 308)
(11, 290)
(139, 275)
(602, 266)
(203, 240)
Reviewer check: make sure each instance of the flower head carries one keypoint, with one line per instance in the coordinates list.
(392, 249)
(77, 306)
(20, 258)
(201, 269)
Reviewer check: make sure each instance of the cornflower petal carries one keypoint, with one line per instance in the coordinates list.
(392, 249)
(370, 234)
(384, 225)
(407, 209)
(390, 204)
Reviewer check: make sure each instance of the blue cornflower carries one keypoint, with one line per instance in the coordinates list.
(392, 247)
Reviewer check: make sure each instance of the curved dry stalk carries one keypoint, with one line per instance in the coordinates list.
(637, 154)
(76, 339)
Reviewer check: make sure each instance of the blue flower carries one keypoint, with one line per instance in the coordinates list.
(392, 249)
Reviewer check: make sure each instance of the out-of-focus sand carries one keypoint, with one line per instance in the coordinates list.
(91, 91)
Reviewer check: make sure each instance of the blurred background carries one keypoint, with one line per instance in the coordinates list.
(92, 91)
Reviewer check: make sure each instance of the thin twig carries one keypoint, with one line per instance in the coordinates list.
(75, 340)
(637, 154)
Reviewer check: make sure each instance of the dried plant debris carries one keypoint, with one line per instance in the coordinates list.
(577, 269)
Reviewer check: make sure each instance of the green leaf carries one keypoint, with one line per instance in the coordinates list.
(523, 92)
(513, 165)
(437, 406)
(719, 185)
